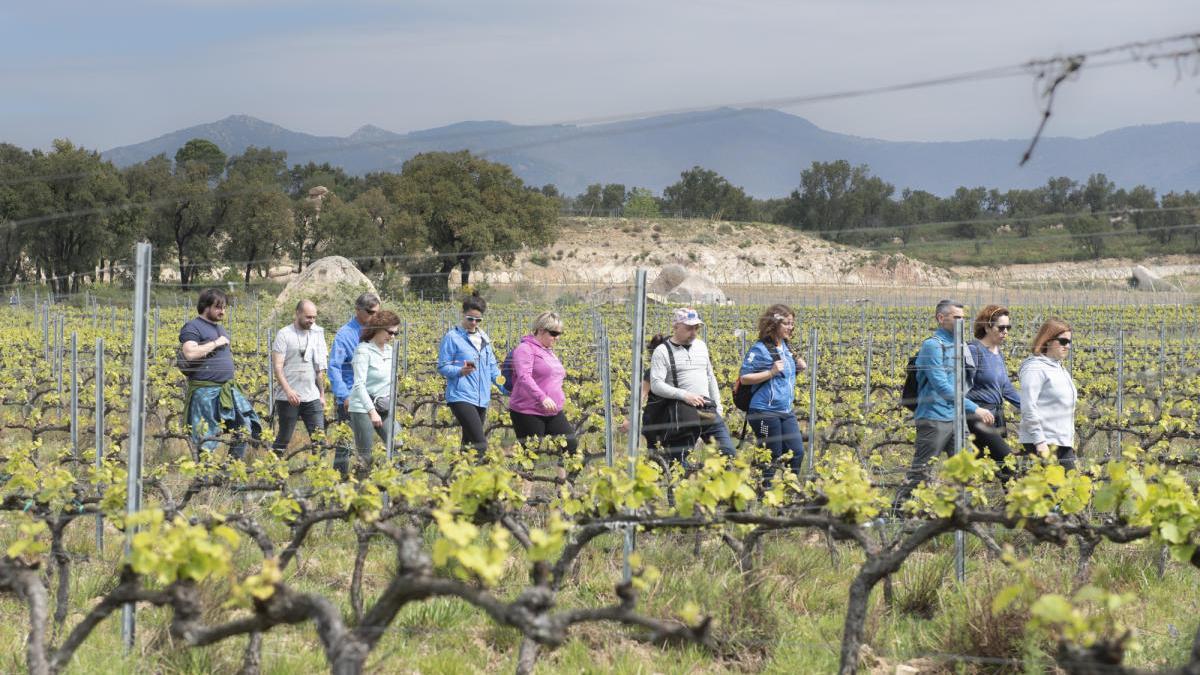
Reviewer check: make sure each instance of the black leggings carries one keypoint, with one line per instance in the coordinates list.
(541, 426)
(1066, 454)
(471, 418)
(991, 440)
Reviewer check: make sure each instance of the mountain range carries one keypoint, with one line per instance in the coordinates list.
(761, 150)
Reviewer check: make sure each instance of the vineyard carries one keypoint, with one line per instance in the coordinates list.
(434, 562)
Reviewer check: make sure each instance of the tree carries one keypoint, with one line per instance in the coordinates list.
(82, 197)
(1180, 209)
(1023, 206)
(206, 153)
(834, 196)
(20, 199)
(612, 198)
(302, 178)
(1088, 231)
(701, 192)
(591, 199)
(966, 207)
(641, 204)
(253, 209)
(466, 208)
(1097, 194)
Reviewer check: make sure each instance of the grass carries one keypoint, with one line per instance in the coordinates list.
(784, 617)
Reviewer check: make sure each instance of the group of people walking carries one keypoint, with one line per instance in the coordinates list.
(683, 403)
(359, 371)
(1046, 400)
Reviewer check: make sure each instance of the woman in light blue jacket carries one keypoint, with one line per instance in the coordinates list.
(770, 367)
(467, 361)
(372, 365)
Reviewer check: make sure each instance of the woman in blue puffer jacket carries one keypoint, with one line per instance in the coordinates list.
(467, 361)
(770, 367)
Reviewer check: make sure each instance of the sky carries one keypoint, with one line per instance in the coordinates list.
(106, 74)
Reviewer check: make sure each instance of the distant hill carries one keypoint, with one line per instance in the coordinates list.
(764, 151)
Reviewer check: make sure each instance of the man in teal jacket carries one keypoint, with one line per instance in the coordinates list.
(935, 398)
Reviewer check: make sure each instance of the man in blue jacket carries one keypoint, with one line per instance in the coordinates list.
(935, 398)
(341, 374)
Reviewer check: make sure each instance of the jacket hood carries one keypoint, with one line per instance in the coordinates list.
(1041, 362)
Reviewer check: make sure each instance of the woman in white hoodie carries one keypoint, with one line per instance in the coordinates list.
(1048, 395)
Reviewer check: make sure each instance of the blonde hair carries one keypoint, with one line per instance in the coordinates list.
(1053, 327)
(546, 321)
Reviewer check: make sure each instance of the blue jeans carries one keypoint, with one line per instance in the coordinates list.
(780, 433)
(716, 431)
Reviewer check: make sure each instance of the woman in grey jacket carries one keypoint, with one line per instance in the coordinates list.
(1048, 395)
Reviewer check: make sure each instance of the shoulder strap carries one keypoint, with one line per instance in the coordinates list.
(671, 355)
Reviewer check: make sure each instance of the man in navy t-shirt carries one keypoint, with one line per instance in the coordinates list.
(213, 400)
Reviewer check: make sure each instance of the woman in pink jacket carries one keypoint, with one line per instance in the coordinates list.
(536, 402)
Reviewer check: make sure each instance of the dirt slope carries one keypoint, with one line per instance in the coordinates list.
(608, 250)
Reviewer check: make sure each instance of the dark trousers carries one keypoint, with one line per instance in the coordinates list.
(934, 437)
(471, 418)
(780, 433)
(990, 440)
(341, 454)
(1066, 454)
(312, 412)
(542, 426)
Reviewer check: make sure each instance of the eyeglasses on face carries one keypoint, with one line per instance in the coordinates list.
(472, 319)
(371, 311)
(1004, 328)
(393, 333)
(554, 333)
(1066, 342)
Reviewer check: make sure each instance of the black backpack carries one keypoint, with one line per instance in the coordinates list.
(908, 395)
(742, 395)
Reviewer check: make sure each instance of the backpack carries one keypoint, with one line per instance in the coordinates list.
(506, 371)
(742, 395)
(908, 395)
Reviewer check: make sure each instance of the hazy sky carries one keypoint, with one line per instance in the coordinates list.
(117, 72)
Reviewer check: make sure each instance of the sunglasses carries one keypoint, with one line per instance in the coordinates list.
(1066, 342)
(393, 333)
(554, 333)
(473, 319)
(1003, 329)
(370, 311)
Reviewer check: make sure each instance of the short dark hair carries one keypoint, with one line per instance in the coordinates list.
(366, 301)
(945, 304)
(474, 302)
(211, 297)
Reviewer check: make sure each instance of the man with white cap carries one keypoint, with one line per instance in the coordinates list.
(692, 381)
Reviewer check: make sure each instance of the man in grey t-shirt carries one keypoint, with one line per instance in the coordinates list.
(299, 359)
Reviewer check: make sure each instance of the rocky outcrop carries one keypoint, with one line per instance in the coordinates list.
(332, 283)
(675, 284)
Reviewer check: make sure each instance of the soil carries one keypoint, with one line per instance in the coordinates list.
(609, 250)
